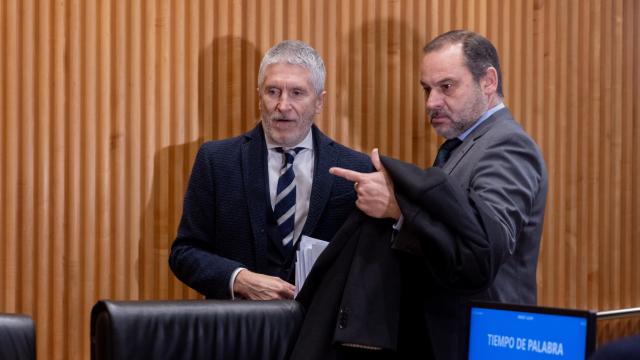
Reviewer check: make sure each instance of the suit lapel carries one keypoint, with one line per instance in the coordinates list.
(254, 175)
(326, 157)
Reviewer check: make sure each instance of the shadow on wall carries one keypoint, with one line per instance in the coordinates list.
(379, 104)
(220, 94)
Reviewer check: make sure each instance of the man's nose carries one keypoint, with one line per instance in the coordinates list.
(434, 100)
(283, 103)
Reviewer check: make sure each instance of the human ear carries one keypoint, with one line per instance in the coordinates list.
(489, 81)
(320, 102)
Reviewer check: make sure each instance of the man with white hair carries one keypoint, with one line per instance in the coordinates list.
(251, 197)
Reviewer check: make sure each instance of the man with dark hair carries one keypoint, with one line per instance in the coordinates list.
(479, 53)
(251, 197)
(470, 226)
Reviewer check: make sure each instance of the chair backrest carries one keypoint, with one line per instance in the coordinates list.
(198, 329)
(17, 337)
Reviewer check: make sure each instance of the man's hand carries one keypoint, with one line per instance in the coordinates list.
(254, 286)
(376, 197)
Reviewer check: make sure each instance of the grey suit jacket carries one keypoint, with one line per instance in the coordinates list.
(503, 171)
(505, 168)
(476, 235)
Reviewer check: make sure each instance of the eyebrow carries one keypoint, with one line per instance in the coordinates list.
(445, 80)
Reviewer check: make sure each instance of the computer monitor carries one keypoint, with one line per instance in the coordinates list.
(506, 331)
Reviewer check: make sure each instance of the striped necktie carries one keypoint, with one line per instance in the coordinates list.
(445, 151)
(285, 204)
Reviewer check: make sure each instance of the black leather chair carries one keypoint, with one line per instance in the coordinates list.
(17, 337)
(198, 329)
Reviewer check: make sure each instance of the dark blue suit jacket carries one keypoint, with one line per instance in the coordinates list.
(224, 220)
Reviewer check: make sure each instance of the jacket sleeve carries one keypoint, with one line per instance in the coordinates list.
(193, 259)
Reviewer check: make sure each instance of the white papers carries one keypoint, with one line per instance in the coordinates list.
(309, 251)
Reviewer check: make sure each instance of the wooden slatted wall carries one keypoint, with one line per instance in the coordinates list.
(104, 103)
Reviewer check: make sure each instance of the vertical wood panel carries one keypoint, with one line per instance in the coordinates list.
(103, 105)
(28, 149)
(75, 322)
(53, 201)
(10, 163)
(635, 163)
(3, 106)
(594, 227)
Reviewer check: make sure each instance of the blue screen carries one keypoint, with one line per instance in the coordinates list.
(506, 334)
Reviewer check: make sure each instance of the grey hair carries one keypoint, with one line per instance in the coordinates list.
(295, 52)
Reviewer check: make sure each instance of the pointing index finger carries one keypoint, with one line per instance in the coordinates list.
(346, 174)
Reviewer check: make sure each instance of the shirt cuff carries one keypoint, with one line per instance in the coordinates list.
(233, 280)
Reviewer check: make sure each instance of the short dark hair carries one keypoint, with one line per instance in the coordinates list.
(479, 52)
